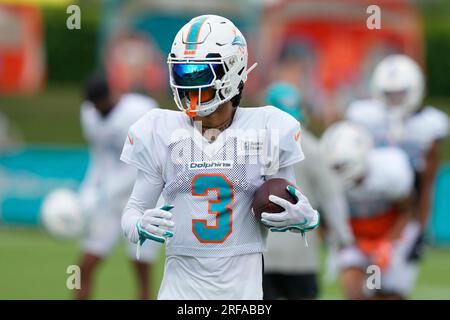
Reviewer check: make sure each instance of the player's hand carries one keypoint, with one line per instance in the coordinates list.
(155, 224)
(382, 254)
(380, 251)
(299, 217)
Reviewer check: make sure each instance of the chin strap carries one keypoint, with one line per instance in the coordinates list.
(192, 112)
(251, 68)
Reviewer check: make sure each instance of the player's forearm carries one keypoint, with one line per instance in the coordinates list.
(93, 174)
(425, 204)
(334, 204)
(130, 217)
(397, 229)
(427, 178)
(89, 188)
(335, 211)
(145, 194)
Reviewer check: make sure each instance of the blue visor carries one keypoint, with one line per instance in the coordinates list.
(193, 74)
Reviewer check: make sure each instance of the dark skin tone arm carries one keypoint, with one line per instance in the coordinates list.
(404, 210)
(427, 177)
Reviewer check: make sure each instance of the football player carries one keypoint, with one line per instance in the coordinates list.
(108, 182)
(208, 160)
(378, 184)
(290, 269)
(396, 116)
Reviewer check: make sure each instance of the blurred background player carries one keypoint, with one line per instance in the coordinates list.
(378, 185)
(108, 182)
(396, 116)
(290, 268)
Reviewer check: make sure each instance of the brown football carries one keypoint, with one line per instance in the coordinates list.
(261, 202)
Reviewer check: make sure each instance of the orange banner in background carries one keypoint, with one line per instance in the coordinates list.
(22, 67)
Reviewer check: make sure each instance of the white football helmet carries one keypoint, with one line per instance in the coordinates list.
(399, 83)
(61, 214)
(207, 64)
(345, 147)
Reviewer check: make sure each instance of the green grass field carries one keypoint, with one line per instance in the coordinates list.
(33, 266)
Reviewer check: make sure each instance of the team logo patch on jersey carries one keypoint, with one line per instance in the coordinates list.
(198, 165)
(250, 147)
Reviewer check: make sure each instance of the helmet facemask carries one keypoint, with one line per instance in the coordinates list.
(396, 99)
(351, 172)
(346, 147)
(200, 86)
(207, 65)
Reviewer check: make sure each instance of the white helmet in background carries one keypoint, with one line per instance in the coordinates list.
(345, 146)
(207, 64)
(399, 83)
(61, 214)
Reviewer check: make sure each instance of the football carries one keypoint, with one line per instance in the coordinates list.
(61, 214)
(261, 202)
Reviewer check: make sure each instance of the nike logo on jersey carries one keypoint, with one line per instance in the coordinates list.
(130, 139)
(297, 135)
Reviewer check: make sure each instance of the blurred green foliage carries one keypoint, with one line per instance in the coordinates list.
(436, 22)
(50, 116)
(71, 54)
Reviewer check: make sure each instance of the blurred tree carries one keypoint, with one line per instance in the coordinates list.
(436, 16)
(71, 54)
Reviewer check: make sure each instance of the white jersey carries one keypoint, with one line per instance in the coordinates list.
(389, 178)
(211, 185)
(200, 278)
(421, 130)
(414, 135)
(108, 178)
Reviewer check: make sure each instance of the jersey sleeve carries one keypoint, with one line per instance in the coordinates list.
(438, 122)
(144, 196)
(139, 104)
(141, 147)
(284, 133)
(428, 126)
(87, 114)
